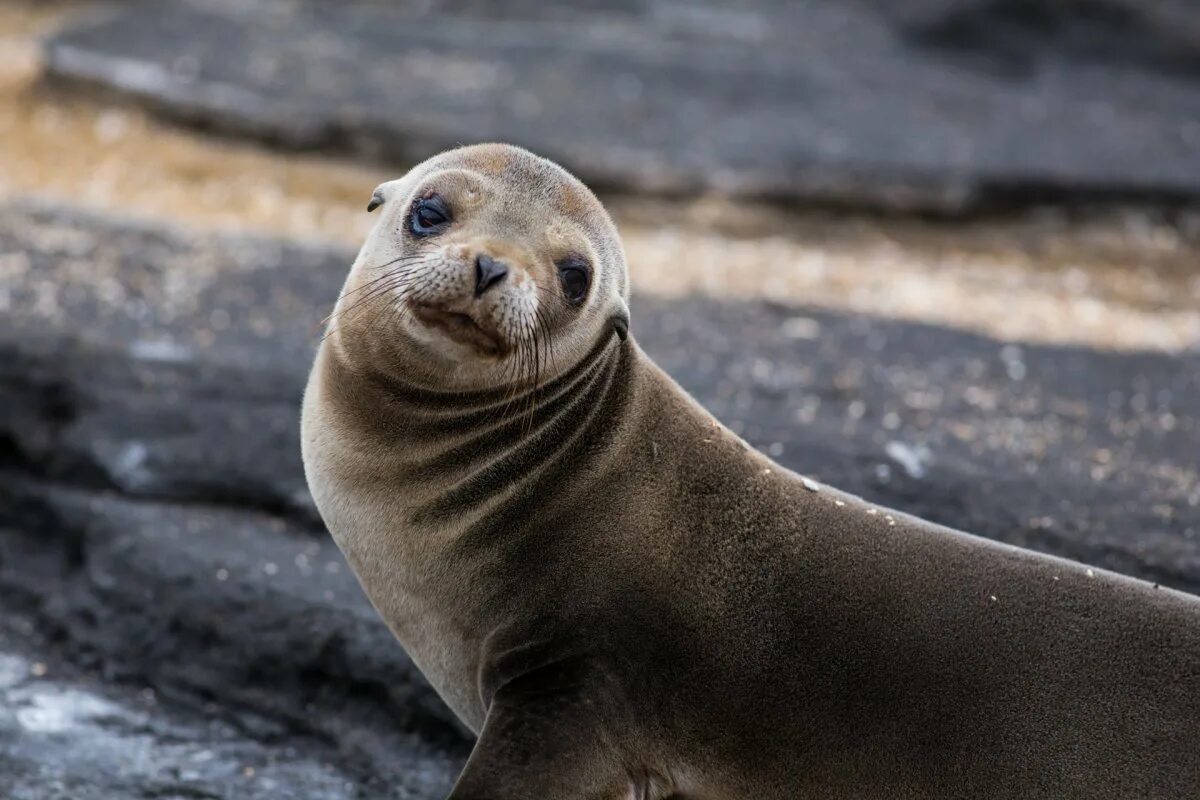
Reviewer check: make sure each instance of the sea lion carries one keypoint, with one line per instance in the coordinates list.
(624, 600)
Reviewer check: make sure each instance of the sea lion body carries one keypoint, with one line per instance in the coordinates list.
(625, 600)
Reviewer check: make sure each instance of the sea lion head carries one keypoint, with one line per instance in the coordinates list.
(488, 266)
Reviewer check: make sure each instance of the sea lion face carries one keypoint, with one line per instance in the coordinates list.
(489, 266)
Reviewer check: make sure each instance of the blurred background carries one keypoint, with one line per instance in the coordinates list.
(942, 254)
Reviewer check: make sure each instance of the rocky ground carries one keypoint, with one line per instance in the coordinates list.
(181, 624)
(174, 621)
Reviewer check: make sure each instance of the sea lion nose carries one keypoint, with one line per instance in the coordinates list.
(488, 272)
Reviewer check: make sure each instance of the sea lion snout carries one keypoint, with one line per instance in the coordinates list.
(488, 272)
(479, 293)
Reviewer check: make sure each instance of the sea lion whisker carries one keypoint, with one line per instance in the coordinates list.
(544, 326)
(370, 285)
(344, 295)
(411, 257)
(348, 312)
(385, 286)
(405, 270)
(531, 409)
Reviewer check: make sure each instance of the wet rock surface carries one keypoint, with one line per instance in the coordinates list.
(931, 104)
(198, 634)
(62, 737)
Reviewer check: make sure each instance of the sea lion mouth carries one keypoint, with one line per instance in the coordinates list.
(460, 327)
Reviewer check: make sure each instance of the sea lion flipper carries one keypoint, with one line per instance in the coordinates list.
(543, 745)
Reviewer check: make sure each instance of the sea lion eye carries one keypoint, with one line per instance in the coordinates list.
(430, 215)
(575, 275)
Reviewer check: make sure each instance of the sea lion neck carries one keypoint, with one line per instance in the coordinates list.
(478, 456)
(426, 409)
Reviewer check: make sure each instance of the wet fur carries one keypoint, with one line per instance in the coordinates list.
(624, 600)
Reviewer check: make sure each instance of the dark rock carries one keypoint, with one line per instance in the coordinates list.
(934, 105)
(155, 533)
(66, 736)
(232, 612)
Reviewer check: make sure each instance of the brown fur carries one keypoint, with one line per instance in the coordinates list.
(624, 600)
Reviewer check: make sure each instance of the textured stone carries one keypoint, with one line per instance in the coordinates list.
(930, 104)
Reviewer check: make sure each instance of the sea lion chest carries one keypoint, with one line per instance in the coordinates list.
(402, 564)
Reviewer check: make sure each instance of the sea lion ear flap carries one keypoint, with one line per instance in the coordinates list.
(620, 320)
(377, 200)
